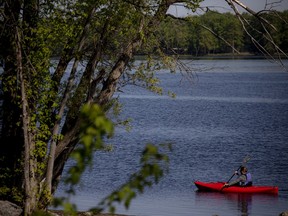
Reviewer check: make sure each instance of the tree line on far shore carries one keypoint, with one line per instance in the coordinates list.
(219, 33)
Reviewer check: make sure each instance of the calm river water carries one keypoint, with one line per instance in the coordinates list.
(232, 108)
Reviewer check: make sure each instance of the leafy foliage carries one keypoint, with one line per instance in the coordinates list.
(94, 126)
(44, 117)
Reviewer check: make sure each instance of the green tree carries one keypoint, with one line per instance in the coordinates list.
(221, 33)
(214, 32)
(174, 35)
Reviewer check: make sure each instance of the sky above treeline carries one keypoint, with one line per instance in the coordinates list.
(222, 6)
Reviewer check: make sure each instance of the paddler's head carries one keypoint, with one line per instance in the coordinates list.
(243, 170)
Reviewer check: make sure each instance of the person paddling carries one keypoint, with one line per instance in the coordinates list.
(244, 179)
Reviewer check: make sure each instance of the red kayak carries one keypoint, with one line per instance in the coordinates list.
(217, 187)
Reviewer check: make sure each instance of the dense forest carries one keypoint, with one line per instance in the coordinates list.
(217, 33)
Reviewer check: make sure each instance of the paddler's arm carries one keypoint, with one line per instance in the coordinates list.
(241, 178)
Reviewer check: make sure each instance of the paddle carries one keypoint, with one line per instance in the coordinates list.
(245, 160)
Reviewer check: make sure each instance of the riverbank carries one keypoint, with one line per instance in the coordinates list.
(84, 213)
(10, 209)
(220, 56)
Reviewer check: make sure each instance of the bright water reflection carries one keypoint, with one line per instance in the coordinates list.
(239, 108)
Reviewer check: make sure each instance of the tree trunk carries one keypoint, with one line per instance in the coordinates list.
(11, 141)
(30, 183)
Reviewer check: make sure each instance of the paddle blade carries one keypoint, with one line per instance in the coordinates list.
(246, 159)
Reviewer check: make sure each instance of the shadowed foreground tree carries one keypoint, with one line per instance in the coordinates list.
(50, 109)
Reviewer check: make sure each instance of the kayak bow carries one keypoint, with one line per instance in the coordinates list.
(217, 187)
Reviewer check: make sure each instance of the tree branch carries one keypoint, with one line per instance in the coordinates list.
(266, 33)
(66, 95)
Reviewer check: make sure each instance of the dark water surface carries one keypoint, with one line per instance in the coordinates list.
(232, 108)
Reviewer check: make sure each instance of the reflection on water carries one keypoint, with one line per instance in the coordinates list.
(244, 204)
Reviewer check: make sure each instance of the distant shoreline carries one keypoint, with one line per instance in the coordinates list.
(220, 56)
